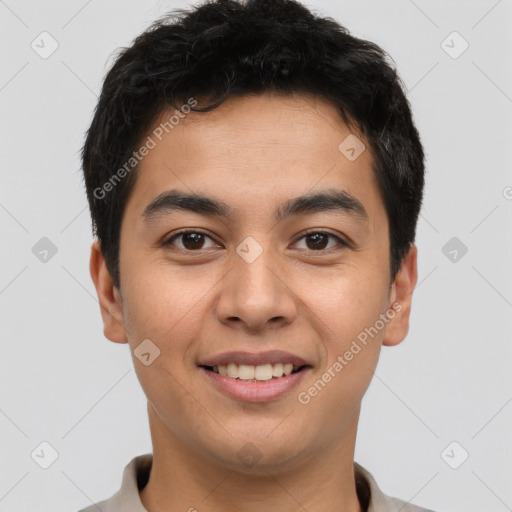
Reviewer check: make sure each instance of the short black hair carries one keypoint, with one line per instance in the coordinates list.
(225, 48)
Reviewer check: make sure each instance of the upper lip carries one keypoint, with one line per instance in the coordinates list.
(254, 359)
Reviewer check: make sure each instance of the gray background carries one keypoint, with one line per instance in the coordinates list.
(62, 382)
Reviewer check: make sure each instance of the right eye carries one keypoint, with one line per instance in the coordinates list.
(191, 240)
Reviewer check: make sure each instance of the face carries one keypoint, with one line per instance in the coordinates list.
(256, 273)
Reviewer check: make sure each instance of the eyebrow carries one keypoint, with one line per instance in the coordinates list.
(335, 200)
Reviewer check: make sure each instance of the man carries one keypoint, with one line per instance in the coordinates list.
(254, 178)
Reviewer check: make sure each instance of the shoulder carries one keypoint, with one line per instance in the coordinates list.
(127, 499)
(370, 494)
(104, 506)
(397, 505)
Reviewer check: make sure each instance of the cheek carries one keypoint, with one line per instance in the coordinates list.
(352, 351)
(352, 308)
(162, 302)
(346, 301)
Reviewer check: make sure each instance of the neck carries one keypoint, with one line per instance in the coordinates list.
(183, 479)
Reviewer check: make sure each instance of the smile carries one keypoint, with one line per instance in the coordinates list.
(246, 372)
(241, 387)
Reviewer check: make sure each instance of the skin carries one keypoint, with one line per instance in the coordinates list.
(253, 153)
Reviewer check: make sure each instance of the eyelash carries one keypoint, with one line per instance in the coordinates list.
(341, 243)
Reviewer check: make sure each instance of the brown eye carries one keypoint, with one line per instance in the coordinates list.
(190, 240)
(318, 240)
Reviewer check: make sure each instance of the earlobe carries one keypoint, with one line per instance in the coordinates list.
(401, 299)
(108, 297)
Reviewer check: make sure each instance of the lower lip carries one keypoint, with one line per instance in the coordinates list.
(263, 391)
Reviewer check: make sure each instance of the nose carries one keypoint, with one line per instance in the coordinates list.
(255, 295)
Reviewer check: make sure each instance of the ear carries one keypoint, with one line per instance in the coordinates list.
(108, 296)
(401, 294)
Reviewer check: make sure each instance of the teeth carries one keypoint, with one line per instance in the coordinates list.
(277, 371)
(287, 368)
(248, 372)
(263, 372)
(232, 370)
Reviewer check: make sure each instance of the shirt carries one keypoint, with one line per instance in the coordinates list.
(136, 476)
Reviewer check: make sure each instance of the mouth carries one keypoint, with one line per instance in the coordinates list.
(247, 377)
(255, 374)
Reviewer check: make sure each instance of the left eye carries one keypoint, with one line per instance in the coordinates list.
(317, 240)
(195, 240)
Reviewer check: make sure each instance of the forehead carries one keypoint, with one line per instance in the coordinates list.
(256, 150)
